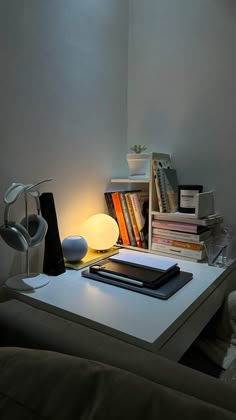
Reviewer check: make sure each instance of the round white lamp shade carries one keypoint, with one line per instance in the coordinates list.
(74, 248)
(100, 231)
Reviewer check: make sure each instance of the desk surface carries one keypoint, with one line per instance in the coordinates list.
(141, 319)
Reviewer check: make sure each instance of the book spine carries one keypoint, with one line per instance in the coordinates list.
(138, 217)
(161, 182)
(133, 220)
(111, 211)
(171, 187)
(179, 251)
(171, 234)
(120, 218)
(110, 206)
(154, 168)
(127, 219)
(172, 242)
(142, 196)
(181, 227)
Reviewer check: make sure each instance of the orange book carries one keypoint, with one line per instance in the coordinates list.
(133, 220)
(120, 218)
(173, 242)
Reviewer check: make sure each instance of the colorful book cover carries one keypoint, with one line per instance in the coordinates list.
(111, 211)
(127, 219)
(120, 218)
(140, 206)
(181, 227)
(133, 220)
(173, 242)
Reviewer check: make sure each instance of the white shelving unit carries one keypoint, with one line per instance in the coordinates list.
(131, 181)
(150, 185)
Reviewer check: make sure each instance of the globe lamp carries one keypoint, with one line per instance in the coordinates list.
(100, 231)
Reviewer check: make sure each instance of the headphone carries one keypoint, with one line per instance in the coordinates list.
(31, 230)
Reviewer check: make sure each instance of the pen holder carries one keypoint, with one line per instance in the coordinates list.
(219, 251)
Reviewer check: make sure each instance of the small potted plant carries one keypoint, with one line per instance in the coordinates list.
(138, 148)
(138, 162)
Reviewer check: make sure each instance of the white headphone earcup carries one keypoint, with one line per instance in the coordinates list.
(16, 236)
(37, 228)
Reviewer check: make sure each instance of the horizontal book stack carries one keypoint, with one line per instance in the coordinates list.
(182, 235)
(130, 210)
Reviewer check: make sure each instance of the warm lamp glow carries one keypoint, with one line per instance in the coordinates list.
(100, 231)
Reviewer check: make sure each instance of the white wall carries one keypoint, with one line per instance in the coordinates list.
(63, 84)
(182, 89)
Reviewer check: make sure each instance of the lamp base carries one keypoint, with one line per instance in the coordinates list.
(23, 283)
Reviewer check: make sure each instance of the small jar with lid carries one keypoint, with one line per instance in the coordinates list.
(187, 197)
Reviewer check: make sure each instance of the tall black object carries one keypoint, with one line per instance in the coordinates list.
(53, 263)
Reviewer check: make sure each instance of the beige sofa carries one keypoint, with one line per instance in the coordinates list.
(70, 371)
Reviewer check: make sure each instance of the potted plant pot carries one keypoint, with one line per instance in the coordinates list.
(139, 165)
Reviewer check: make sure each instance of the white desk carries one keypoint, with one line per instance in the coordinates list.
(167, 327)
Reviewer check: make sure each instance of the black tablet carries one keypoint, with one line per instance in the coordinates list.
(164, 291)
(134, 274)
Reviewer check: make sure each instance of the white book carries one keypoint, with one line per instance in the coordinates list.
(143, 258)
(210, 220)
(137, 202)
(182, 236)
(174, 250)
(180, 257)
(138, 199)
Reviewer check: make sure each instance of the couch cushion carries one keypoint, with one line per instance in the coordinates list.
(24, 325)
(37, 384)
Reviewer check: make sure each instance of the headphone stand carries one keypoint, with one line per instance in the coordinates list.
(26, 281)
(23, 283)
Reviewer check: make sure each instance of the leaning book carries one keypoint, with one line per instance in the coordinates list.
(168, 184)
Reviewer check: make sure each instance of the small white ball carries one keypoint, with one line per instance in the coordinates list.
(74, 248)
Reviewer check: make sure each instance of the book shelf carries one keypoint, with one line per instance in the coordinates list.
(160, 238)
(149, 185)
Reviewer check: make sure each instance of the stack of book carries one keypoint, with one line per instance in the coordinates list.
(130, 210)
(182, 234)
